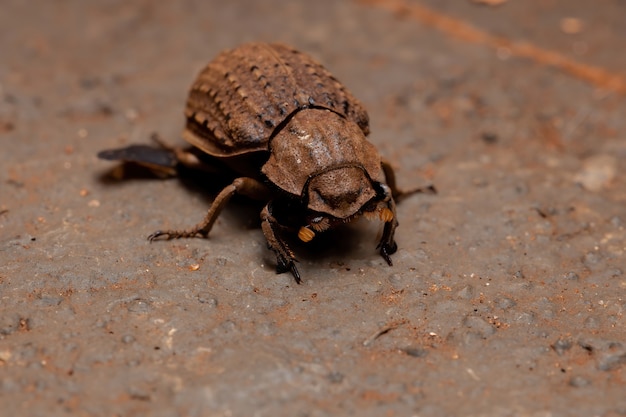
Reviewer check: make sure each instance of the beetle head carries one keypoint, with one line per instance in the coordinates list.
(341, 194)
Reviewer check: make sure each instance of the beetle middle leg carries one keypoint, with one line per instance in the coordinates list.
(244, 185)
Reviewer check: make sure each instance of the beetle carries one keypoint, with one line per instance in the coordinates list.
(295, 137)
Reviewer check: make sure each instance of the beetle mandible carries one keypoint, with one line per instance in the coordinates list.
(297, 139)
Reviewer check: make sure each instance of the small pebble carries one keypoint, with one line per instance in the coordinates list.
(481, 326)
(415, 352)
(579, 382)
(591, 258)
(612, 358)
(525, 317)
(505, 303)
(396, 281)
(562, 345)
(597, 172)
(139, 306)
(207, 298)
(591, 322)
(571, 276)
(335, 377)
(466, 293)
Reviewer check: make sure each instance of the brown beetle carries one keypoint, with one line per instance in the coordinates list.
(296, 138)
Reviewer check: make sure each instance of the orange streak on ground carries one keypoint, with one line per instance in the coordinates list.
(597, 76)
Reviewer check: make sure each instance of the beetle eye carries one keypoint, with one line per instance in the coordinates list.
(385, 191)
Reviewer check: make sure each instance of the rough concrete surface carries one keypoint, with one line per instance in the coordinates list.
(507, 294)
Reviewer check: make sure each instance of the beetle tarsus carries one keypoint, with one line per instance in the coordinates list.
(386, 250)
(176, 234)
(295, 273)
(284, 265)
(153, 236)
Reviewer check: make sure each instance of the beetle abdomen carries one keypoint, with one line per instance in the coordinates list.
(244, 96)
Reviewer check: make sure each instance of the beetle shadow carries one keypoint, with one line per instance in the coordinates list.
(342, 247)
(204, 185)
(127, 171)
(338, 247)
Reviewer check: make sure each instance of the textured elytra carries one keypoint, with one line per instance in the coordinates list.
(245, 95)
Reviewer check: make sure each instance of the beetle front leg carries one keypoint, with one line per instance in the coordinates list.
(244, 185)
(285, 258)
(387, 244)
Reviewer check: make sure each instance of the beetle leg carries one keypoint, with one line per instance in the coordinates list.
(161, 162)
(285, 258)
(183, 156)
(244, 185)
(398, 194)
(387, 244)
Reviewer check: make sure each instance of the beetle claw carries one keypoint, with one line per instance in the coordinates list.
(283, 265)
(386, 250)
(295, 273)
(156, 235)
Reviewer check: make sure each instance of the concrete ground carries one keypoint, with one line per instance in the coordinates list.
(508, 290)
